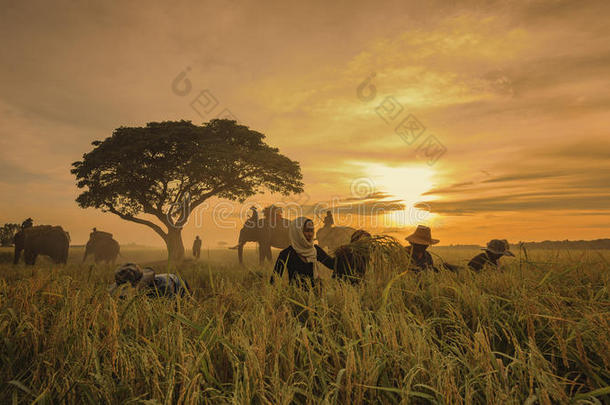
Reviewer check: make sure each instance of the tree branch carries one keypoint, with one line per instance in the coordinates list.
(141, 221)
(194, 204)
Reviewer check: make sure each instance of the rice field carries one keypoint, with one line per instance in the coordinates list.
(535, 332)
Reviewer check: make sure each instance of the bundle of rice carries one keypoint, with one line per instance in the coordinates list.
(381, 254)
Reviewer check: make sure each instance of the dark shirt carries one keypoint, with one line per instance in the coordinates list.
(480, 260)
(350, 266)
(163, 285)
(298, 269)
(169, 285)
(422, 262)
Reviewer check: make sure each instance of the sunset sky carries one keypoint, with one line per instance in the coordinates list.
(517, 94)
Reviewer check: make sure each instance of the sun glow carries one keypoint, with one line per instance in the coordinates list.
(404, 183)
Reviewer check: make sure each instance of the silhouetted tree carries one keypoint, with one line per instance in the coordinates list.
(7, 232)
(167, 169)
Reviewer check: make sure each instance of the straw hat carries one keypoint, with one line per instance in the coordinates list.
(132, 273)
(422, 236)
(499, 247)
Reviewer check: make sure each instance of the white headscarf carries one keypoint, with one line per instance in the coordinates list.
(298, 241)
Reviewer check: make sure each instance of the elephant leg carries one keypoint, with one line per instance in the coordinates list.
(30, 257)
(265, 253)
(262, 253)
(17, 254)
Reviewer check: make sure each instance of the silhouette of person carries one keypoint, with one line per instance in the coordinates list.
(300, 258)
(254, 217)
(352, 259)
(27, 223)
(496, 248)
(418, 253)
(421, 259)
(328, 219)
(147, 281)
(197, 247)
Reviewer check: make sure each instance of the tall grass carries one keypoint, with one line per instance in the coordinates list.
(535, 332)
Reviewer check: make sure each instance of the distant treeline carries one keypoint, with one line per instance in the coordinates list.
(569, 244)
(550, 244)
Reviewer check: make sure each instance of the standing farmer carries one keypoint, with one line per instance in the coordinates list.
(197, 247)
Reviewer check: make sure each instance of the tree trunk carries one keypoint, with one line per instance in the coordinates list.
(175, 247)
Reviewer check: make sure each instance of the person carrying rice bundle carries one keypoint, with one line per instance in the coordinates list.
(301, 257)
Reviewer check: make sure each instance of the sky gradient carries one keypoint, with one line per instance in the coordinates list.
(517, 94)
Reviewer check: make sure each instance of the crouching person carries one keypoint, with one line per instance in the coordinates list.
(496, 248)
(352, 260)
(145, 280)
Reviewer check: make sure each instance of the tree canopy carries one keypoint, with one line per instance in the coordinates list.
(7, 232)
(167, 169)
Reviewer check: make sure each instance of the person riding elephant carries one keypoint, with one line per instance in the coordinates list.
(47, 240)
(27, 223)
(270, 231)
(19, 238)
(328, 219)
(102, 246)
(254, 217)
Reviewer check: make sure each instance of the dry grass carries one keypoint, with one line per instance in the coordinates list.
(536, 332)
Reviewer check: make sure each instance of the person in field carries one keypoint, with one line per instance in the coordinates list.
(351, 260)
(420, 240)
(197, 247)
(146, 280)
(301, 257)
(496, 248)
(420, 258)
(254, 216)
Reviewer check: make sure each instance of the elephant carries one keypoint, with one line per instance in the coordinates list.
(102, 246)
(268, 232)
(47, 240)
(331, 237)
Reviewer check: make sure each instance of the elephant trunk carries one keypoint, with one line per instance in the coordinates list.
(240, 245)
(240, 253)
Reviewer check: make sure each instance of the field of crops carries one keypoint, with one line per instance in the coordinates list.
(535, 332)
